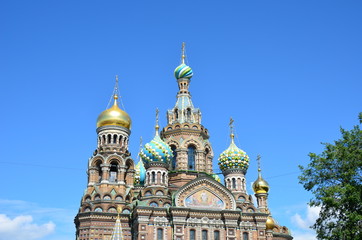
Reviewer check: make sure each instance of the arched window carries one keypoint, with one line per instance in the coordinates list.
(126, 211)
(113, 172)
(109, 138)
(216, 235)
(176, 113)
(99, 170)
(164, 178)
(173, 163)
(159, 234)
(191, 157)
(107, 198)
(159, 193)
(204, 234)
(192, 234)
(154, 204)
(114, 138)
(98, 209)
(234, 183)
(245, 236)
(112, 210)
(153, 177)
(120, 140)
(188, 114)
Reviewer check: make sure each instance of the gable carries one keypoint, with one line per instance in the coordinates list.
(205, 193)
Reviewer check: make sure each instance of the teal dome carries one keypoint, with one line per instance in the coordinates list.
(140, 174)
(183, 71)
(233, 158)
(156, 151)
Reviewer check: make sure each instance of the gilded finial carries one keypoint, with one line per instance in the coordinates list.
(157, 127)
(183, 53)
(231, 125)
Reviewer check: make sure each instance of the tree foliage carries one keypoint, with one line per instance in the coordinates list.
(335, 179)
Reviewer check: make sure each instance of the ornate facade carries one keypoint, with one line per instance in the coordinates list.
(172, 193)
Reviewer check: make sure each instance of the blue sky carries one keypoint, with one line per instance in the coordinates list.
(288, 72)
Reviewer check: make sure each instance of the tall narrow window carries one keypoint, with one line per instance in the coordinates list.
(245, 236)
(173, 163)
(216, 235)
(164, 178)
(159, 234)
(120, 141)
(113, 172)
(192, 234)
(153, 177)
(234, 183)
(109, 138)
(99, 170)
(204, 234)
(191, 157)
(188, 114)
(176, 113)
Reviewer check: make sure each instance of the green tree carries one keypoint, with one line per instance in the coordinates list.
(335, 179)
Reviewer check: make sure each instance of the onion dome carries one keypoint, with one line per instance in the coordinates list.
(260, 185)
(140, 174)
(233, 158)
(183, 71)
(114, 116)
(156, 151)
(270, 224)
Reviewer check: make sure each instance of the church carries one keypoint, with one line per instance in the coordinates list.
(172, 192)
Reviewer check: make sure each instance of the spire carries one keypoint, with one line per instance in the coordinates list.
(259, 168)
(183, 53)
(157, 127)
(117, 230)
(231, 125)
(184, 110)
(258, 159)
(115, 93)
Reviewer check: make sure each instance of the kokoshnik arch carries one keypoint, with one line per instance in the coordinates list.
(172, 193)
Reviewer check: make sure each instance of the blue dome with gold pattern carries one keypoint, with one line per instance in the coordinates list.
(233, 158)
(156, 151)
(183, 71)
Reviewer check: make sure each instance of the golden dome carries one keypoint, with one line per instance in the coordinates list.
(270, 224)
(260, 185)
(114, 116)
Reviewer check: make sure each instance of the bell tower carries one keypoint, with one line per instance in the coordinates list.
(184, 133)
(110, 175)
